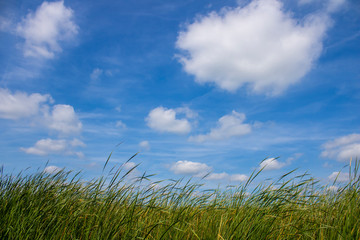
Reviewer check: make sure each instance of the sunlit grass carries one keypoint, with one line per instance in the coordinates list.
(63, 206)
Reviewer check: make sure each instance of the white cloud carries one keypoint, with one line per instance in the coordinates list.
(226, 176)
(343, 148)
(217, 176)
(164, 120)
(52, 169)
(228, 126)
(145, 145)
(185, 167)
(339, 176)
(64, 119)
(46, 28)
(197, 169)
(239, 177)
(50, 146)
(96, 74)
(20, 104)
(271, 164)
(258, 45)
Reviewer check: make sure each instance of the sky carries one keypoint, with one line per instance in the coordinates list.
(197, 87)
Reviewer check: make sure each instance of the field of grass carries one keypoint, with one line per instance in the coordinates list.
(63, 206)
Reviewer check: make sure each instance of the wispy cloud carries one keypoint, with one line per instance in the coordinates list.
(120, 124)
(44, 29)
(96, 73)
(259, 45)
(145, 145)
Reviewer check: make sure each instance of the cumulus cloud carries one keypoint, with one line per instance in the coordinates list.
(230, 125)
(64, 119)
(217, 176)
(271, 164)
(197, 169)
(43, 30)
(20, 104)
(342, 148)
(185, 167)
(258, 45)
(164, 120)
(339, 176)
(239, 177)
(52, 169)
(50, 146)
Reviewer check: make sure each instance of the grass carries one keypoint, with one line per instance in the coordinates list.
(63, 206)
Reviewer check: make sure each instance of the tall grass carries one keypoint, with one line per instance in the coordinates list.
(63, 206)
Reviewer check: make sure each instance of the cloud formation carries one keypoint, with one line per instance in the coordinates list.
(239, 177)
(185, 167)
(197, 169)
(271, 164)
(21, 105)
(39, 110)
(228, 126)
(258, 45)
(342, 148)
(51, 146)
(164, 120)
(52, 169)
(43, 30)
(64, 119)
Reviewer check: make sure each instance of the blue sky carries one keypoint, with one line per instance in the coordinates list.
(195, 86)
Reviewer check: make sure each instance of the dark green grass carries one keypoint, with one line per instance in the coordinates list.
(63, 206)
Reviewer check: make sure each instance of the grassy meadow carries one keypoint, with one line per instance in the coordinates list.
(64, 206)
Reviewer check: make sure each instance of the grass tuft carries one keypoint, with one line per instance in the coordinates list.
(63, 206)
